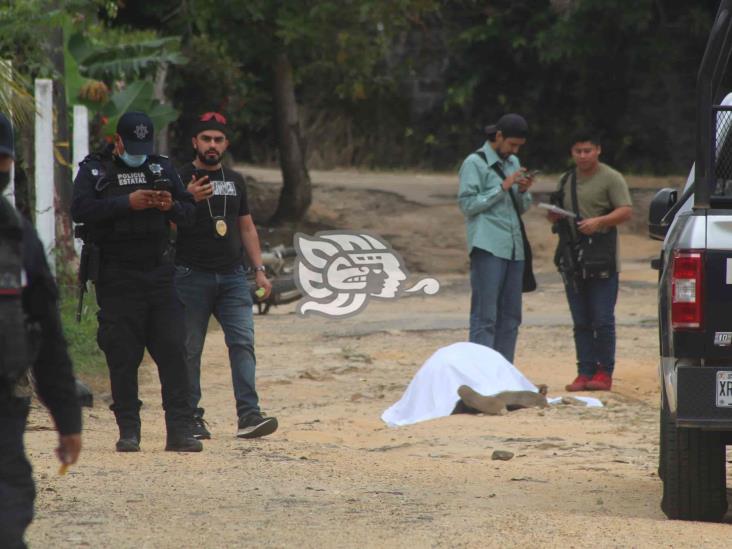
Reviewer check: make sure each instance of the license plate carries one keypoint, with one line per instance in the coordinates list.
(724, 389)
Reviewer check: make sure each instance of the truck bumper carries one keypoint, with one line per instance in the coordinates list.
(697, 398)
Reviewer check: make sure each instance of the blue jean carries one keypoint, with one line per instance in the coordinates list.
(592, 305)
(227, 297)
(495, 301)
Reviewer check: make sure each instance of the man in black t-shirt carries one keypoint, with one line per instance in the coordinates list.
(210, 274)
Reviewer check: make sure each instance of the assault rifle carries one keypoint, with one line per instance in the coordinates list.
(566, 255)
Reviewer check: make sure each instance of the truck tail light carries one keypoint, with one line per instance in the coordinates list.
(687, 291)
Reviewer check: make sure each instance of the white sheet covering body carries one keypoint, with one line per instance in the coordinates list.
(432, 392)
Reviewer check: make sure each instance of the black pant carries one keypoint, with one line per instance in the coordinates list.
(16, 483)
(140, 309)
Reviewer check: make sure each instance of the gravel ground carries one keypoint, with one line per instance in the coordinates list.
(335, 476)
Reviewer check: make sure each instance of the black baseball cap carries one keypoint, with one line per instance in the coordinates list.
(510, 125)
(137, 132)
(7, 143)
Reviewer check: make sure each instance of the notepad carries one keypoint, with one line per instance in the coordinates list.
(556, 209)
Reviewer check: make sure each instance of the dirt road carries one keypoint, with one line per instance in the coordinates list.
(335, 476)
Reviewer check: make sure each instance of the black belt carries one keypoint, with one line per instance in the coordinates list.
(137, 264)
(226, 271)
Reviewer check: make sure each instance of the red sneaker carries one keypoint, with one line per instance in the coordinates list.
(601, 381)
(579, 384)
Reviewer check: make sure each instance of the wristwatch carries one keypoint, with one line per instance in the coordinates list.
(260, 268)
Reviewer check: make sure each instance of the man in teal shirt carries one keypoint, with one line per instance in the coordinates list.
(488, 178)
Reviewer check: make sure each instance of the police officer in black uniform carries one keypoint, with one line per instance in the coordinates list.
(29, 323)
(126, 197)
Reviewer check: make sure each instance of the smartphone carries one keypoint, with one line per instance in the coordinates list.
(529, 174)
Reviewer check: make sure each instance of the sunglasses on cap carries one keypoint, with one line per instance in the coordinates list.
(206, 117)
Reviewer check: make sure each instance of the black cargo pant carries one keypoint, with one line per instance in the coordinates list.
(140, 309)
(16, 483)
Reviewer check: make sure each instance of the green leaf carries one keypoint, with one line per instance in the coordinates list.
(137, 96)
(162, 115)
(15, 96)
(126, 60)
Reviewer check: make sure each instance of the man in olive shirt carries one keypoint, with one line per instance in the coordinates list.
(603, 203)
(488, 179)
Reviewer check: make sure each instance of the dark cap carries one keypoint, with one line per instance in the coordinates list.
(7, 146)
(510, 125)
(137, 132)
(210, 121)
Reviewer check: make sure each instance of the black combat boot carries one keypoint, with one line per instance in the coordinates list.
(182, 440)
(129, 439)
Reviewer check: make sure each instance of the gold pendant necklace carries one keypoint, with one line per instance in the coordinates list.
(221, 228)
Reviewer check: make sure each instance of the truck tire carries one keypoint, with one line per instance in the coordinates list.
(694, 472)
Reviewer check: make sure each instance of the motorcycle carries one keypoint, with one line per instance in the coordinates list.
(279, 265)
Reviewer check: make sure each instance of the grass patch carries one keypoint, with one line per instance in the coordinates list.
(88, 359)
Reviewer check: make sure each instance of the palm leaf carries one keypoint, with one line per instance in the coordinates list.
(15, 97)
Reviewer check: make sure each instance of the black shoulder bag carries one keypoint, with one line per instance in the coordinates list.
(596, 252)
(529, 281)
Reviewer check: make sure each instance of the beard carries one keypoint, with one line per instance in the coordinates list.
(209, 159)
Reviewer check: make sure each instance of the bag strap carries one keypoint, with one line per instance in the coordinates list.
(562, 184)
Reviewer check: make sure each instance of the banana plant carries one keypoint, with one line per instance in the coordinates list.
(91, 70)
(136, 96)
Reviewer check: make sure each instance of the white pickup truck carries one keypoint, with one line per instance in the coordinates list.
(695, 304)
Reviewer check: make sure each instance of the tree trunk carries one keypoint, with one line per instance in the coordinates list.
(296, 194)
(62, 148)
(161, 134)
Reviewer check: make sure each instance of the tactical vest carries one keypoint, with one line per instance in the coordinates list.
(117, 181)
(14, 349)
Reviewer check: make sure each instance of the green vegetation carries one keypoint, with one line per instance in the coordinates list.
(82, 336)
(386, 84)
